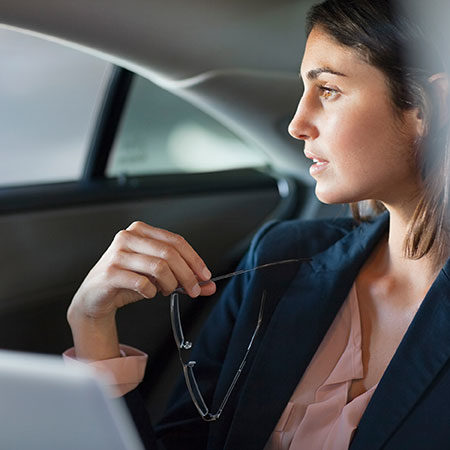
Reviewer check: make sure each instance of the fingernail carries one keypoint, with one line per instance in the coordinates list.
(196, 290)
(206, 273)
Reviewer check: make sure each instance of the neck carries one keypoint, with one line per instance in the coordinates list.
(416, 272)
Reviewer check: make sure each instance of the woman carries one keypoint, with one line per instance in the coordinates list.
(354, 346)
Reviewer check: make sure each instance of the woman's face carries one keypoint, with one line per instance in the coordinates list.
(363, 147)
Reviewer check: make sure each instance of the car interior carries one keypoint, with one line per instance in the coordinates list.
(232, 65)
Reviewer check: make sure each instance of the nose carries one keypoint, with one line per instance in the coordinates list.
(302, 126)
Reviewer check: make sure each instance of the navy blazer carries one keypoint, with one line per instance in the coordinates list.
(410, 409)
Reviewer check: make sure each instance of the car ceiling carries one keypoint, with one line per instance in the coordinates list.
(236, 60)
(174, 39)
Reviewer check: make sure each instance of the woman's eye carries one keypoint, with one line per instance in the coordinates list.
(328, 93)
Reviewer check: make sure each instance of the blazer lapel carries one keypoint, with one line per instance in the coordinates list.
(425, 348)
(296, 328)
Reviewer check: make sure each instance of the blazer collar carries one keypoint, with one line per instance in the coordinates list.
(307, 310)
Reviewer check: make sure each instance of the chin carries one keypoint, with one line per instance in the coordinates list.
(329, 198)
(334, 196)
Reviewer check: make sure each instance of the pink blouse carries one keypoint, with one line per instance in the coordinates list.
(318, 415)
(124, 373)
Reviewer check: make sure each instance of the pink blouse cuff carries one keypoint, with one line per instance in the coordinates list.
(124, 373)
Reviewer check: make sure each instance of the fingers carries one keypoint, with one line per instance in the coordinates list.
(176, 241)
(167, 275)
(208, 288)
(164, 258)
(132, 282)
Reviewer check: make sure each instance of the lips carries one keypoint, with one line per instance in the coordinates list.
(315, 158)
(320, 165)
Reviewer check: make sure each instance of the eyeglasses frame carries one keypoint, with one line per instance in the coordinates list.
(183, 344)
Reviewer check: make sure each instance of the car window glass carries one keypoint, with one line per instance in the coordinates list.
(161, 133)
(50, 96)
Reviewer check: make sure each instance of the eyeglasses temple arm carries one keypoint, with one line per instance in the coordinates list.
(242, 271)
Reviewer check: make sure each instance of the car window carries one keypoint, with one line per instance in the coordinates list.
(50, 97)
(161, 133)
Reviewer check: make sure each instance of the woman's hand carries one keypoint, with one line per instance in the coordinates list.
(141, 261)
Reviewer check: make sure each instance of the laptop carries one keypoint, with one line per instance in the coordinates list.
(47, 404)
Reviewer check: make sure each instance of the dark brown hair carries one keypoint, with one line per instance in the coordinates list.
(385, 37)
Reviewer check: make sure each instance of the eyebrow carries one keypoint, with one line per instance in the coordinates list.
(314, 73)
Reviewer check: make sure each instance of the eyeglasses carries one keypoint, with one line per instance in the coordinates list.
(183, 344)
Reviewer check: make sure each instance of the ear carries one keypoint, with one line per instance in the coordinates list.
(419, 123)
(439, 84)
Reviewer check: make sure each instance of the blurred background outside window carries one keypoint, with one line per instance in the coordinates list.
(161, 133)
(51, 96)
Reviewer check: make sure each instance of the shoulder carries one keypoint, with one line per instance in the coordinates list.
(298, 238)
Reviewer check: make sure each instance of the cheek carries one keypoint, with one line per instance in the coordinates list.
(347, 141)
(368, 154)
(363, 137)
